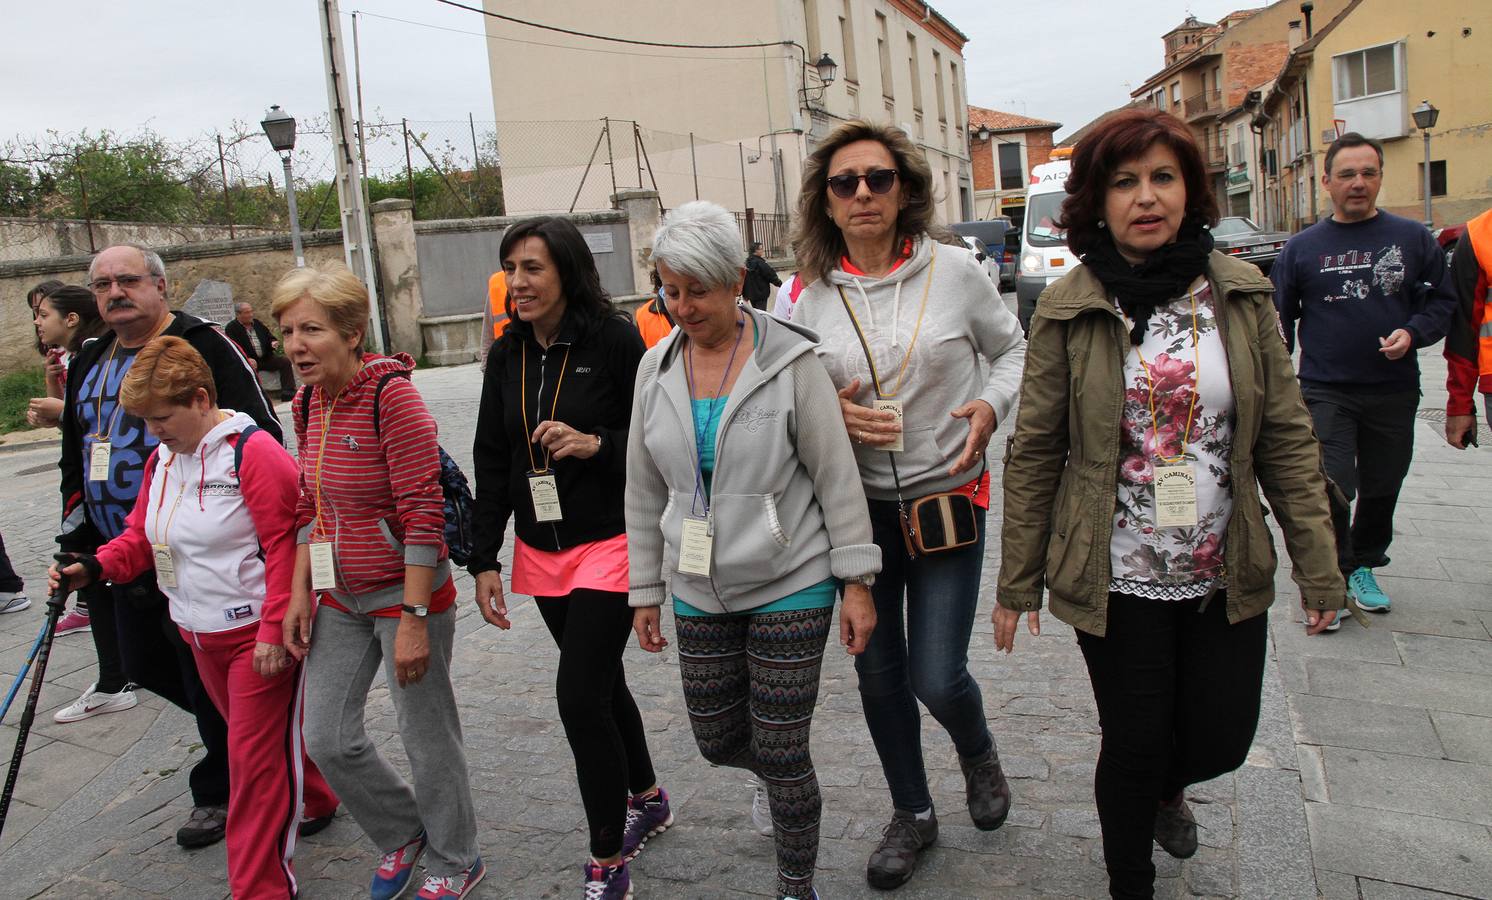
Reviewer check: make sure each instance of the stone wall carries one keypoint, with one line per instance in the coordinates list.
(250, 265)
(22, 239)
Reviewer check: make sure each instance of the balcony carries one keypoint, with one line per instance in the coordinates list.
(1214, 153)
(1204, 104)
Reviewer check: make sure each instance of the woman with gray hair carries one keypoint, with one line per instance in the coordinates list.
(744, 505)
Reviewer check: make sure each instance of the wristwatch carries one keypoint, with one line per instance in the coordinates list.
(867, 580)
(417, 611)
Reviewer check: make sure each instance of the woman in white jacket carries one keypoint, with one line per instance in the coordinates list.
(216, 520)
(737, 449)
(946, 368)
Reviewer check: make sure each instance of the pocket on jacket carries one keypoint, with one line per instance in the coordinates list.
(747, 538)
(1257, 557)
(1071, 544)
(388, 538)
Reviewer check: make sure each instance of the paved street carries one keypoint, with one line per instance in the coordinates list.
(1371, 776)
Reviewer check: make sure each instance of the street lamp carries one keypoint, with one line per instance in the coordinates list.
(1425, 116)
(279, 127)
(825, 68)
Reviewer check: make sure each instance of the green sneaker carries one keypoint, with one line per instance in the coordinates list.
(1365, 589)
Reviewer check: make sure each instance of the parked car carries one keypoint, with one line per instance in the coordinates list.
(1448, 237)
(1239, 236)
(990, 263)
(996, 234)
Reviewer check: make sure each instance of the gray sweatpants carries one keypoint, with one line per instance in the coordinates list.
(346, 652)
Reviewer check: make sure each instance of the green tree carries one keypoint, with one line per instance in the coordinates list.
(139, 180)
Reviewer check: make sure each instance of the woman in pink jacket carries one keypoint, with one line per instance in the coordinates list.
(216, 521)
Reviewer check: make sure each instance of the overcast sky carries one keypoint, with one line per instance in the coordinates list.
(188, 68)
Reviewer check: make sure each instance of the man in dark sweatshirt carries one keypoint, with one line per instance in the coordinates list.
(1365, 289)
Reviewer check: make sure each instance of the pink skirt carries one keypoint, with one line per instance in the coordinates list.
(597, 566)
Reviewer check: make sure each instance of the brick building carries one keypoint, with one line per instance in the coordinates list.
(1003, 147)
(1210, 72)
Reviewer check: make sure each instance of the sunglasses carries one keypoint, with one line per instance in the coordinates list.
(879, 182)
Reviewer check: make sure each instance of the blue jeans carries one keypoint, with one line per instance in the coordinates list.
(920, 651)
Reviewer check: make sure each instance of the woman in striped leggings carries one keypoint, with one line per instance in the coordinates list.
(744, 503)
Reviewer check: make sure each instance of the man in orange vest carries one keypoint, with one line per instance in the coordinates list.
(1468, 347)
(653, 321)
(497, 303)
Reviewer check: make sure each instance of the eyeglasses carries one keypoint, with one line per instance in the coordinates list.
(125, 282)
(1351, 174)
(846, 186)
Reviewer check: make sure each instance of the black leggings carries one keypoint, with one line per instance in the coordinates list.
(1178, 701)
(600, 717)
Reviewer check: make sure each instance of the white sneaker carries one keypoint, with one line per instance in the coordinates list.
(761, 808)
(13, 602)
(93, 703)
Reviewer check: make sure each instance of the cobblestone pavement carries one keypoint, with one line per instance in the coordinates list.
(99, 801)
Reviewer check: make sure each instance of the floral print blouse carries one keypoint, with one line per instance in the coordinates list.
(1174, 563)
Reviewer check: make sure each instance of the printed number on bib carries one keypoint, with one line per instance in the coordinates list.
(165, 565)
(694, 547)
(544, 490)
(98, 462)
(893, 406)
(323, 567)
(1175, 496)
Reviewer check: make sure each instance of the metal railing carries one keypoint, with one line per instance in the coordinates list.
(1202, 103)
(772, 229)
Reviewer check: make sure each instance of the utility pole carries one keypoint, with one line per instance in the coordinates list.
(357, 235)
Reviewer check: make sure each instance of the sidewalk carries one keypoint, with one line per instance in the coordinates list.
(100, 800)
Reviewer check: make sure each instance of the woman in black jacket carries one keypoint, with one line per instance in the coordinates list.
(550, 452)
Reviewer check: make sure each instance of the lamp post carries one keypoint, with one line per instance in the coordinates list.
(826, 68)
(1425, 116)
(279, 127)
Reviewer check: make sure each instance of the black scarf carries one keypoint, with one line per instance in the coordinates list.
(1164, 276)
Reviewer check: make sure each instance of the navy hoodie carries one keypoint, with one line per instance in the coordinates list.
(1349, 284)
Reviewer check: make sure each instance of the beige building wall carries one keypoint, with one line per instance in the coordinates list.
(1452, 71)
(727, 97)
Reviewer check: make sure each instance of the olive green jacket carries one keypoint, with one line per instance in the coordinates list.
(1062, 463)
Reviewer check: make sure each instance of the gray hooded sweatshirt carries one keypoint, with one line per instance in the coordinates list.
(968, 347)
(786, 501)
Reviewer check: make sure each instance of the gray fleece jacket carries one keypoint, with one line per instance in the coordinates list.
(969, 347)
(786, 500)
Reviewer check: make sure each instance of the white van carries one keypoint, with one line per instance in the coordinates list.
(1044, 254)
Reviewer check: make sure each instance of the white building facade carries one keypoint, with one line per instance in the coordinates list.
(730, 124)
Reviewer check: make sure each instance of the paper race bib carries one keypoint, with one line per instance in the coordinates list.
(694, 547)
(1175, 496)
(165, 565)
(98, 461)
(544, 490)
(893, 406)
(323, 567)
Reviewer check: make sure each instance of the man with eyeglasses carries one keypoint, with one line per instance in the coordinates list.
(1364, 290)
(104, 451)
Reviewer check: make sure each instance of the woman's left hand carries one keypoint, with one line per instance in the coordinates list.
(857, 618)
(561, 440)
(411, 650)
(270, 659)
(981, 418)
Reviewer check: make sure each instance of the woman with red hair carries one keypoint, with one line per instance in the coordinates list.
(1158, 399)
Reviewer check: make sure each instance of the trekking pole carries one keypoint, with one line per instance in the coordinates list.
(26, 667)
(55, 602)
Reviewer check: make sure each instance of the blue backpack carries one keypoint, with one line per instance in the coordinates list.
(455, 492)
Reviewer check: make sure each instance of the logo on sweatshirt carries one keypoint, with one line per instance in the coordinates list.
(752, 418)
(238, 612)
(351, 443)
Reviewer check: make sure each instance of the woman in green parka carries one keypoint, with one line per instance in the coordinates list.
(1158, 399)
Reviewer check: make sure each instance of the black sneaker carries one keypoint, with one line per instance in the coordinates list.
(204, 827)
(902, 841)
(987, 790)
(317, 825)
(1176, 829)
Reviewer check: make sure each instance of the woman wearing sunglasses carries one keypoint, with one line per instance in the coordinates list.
(927, 361)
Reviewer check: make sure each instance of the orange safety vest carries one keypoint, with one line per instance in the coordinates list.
(1468, 346)
(497, 303)
(652, 324)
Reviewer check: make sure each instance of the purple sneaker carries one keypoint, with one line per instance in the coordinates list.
(607, 882)
(645, 818)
